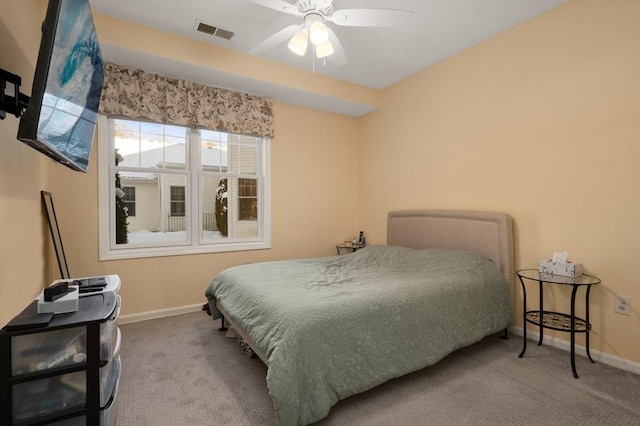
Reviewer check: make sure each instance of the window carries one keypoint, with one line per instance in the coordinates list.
(177, 201)
(129, 200)
(182, 190)
(247, 199)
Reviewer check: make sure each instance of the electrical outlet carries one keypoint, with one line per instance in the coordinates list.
(622, 304)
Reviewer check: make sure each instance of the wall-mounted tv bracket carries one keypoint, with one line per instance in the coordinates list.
(15, 104)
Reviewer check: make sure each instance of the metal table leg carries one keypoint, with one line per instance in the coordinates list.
(524, 318)
(588, 324)
(573, 331)
(541, 314)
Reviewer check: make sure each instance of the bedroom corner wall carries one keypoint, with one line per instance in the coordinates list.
(541, 122)
(313, 186)
(313, 179)
(23, 171)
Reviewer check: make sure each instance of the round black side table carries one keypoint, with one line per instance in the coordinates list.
(557, 320)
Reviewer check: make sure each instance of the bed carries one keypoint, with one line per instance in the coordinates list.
(332, 327)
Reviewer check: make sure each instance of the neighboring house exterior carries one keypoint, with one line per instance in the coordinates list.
(141, 199)
(156, 202)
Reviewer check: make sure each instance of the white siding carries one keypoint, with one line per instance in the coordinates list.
(167, 181)
(243, 159)
(147, 201)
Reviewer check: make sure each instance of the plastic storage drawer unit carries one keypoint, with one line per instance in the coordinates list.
(64, 371)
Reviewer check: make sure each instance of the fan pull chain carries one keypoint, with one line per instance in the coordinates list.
(313, 60)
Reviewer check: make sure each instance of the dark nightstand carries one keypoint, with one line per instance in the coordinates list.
(340, 248)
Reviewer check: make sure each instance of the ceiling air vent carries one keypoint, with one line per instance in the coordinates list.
(214, 31)
(224, 34)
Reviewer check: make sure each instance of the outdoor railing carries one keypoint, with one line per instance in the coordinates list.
(179, 223)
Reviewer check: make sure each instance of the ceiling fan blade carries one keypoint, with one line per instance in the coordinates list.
(279, 5)
(370, 17)
(338, 57)
(275, 39)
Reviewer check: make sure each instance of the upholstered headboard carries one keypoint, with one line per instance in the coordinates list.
(487, 233)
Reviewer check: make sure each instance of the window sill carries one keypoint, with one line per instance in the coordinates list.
(143, 252)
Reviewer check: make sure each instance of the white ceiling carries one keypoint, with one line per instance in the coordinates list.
(377, 57)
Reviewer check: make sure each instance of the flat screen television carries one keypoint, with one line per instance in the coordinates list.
(61, 115)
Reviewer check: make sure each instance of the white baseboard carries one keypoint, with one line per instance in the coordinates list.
(605, 358)
(160, 313)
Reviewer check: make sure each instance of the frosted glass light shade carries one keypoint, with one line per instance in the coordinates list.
(298, 43)
(318, 33)
(324, 50)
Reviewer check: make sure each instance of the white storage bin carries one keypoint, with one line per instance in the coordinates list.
(109, 375)
(110, 334)
(42, 351)
(55, 395)
(50, 396)
(108, 415)
(61, 348)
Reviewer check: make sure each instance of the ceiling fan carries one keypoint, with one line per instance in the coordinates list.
(315, 14)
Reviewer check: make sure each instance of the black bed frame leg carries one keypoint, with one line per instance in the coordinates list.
(505, 335)
(222, 327)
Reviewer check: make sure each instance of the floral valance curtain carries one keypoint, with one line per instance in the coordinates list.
(140, 95)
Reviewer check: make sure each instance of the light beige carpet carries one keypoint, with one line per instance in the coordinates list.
(182, 371)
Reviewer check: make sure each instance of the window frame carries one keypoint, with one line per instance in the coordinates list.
(195, 243)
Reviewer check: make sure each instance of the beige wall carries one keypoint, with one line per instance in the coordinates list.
(313, 193)
(313, 207)
(24, 234)
(541, 122)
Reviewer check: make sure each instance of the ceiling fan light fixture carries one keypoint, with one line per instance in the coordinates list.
(318, 33)
(324, 50)
(298, 43)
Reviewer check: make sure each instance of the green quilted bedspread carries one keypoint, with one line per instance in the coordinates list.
(335, 326)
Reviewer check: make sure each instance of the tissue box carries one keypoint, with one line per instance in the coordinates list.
(566, 269)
